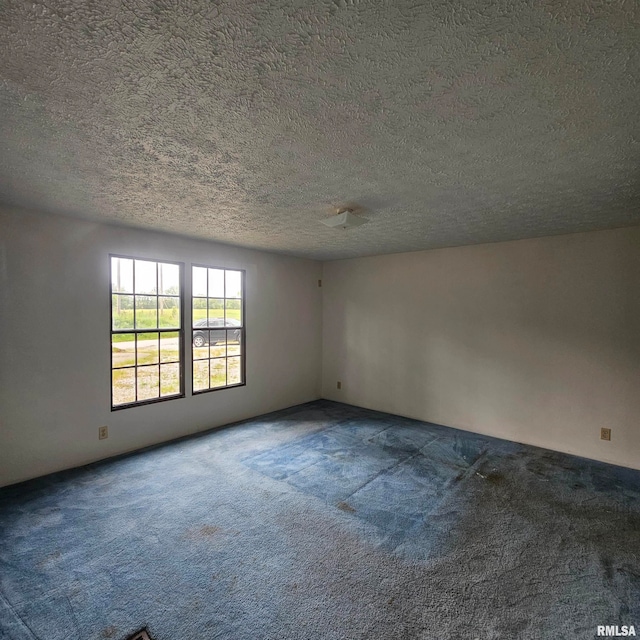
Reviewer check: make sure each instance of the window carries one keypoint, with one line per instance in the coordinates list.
(218, 328)
(147, 334)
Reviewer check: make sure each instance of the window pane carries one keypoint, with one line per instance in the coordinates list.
(146, 363)
(217, 298)
(168, 278)
(122, 275)
(199, 281)
(168, 311)
(201, 353)
(122, 312)
(233, 312)
(216, 307)
(146, 312)
(234, 342)
(219, 348)
(123, 350)
(124, 386)
(146, 277)
(234, 284)
(200, 375)
(169, 379)
(170, 347)
(148, 382)
(199, 311)
(147, 348)
(200, 343)
(218, 373)
(216, 283)
(234, 370)
(217, 338)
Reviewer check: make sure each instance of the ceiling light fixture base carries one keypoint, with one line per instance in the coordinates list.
(345, 219)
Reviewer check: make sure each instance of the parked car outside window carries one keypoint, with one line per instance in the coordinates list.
(213, 330)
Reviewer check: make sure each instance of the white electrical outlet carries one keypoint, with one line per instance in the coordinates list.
(103, 433)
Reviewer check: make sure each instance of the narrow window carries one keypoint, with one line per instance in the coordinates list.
(147, 331)
(218, 332)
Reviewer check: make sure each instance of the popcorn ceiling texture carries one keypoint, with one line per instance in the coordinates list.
(449, 123)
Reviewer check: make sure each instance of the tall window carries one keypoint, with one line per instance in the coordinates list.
(218, 328)
(146, 331)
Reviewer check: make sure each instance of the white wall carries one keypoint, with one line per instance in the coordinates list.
(55, 351)
(536, 341)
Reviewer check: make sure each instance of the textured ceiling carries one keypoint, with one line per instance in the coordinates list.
(448, 122)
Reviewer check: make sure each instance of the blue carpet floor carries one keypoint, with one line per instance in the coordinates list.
(323, 521)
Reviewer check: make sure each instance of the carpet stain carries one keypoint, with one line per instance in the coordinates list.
(52, 557)
(345, 507)
(109, 632)
(143, 634)
(495, 477)
(199, 533)
(548, 462)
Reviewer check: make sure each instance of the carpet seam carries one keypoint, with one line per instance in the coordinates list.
(18, 616)
(381, 472)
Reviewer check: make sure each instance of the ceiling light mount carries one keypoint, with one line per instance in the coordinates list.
(344, 219)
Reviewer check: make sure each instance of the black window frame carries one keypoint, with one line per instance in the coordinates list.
(243, 328)
(180, 331)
